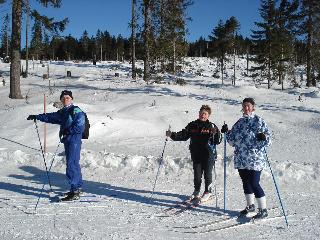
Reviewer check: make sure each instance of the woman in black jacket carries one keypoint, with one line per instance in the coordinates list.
(203, 135)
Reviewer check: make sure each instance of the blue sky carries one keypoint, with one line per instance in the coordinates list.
(114, 16)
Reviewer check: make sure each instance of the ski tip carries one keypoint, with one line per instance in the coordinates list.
(55, 199)
(51, 194)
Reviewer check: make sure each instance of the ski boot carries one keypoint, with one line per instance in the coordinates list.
(73, 195)
(248, 209)
(262, 213)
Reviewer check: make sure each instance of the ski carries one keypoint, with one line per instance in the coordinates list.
(180, 207)
(177, 205)
(226, 219)
(184, 206)
(83, 198)
(59, 201)
(241, 223)
(187, 207)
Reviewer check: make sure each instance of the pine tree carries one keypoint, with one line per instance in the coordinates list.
(54, 46)
(285, 34)
(107, 45)
(133, 38)
(36, 45)
(317, 52)
(169, 19)
(264, 39)
(71, 47)
(222, 41)
(84, 45)
(48, 23)
(120, 47)
(232, 26)
(99, 44)
(310, 12)
(5, 41)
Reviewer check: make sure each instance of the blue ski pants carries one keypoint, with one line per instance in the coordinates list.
(251, 182)
(73, 170)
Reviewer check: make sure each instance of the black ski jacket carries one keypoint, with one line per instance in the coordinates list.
(200, 134)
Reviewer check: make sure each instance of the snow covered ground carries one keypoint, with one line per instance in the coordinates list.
(120, 159)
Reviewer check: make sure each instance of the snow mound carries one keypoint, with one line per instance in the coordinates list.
(313, 94)
(102, 161)
(288, 172)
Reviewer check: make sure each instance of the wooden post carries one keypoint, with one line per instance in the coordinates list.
(45, 125)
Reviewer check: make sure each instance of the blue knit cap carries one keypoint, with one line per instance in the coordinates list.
(66, 92)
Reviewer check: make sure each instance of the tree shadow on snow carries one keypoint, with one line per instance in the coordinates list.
(59, 184)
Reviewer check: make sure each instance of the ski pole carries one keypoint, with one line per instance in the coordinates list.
(224, 171)
(44, 158)
(160, 163)
(19, 143)
(53, 158)
(215, 183)
(276, 186)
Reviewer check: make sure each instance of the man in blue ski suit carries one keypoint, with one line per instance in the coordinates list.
(72, 123)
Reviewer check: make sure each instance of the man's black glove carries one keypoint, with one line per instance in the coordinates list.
(261, 136)
(32, 117)
(224, 128)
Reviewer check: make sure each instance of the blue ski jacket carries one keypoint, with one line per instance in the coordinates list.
(249, 153)
(72, 123)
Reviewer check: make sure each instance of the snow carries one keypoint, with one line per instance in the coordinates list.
(121, 157)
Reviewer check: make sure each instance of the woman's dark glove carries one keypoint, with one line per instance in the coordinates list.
(224, 128)
(261, 136)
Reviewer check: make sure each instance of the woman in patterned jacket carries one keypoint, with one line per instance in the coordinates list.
(250, 136)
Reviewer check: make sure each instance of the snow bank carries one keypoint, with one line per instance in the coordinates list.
(104, 161)
(313, 94)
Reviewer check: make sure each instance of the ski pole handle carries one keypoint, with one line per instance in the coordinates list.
(169, 128)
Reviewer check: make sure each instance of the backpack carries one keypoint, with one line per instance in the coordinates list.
(85, 134)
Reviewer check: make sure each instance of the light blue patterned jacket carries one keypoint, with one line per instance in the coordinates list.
(249, 153)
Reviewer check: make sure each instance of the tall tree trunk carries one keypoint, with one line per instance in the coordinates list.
(147, 29)
(234, 58)
(15, 92)
(133, 39)
(101, 53)
(27, 34)
(7, 47)
(222, 65)
(207, 49)
(234, 66)
(162, 25)
(269, 64)
(309, 46)
(247, 61)
(174, 57)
